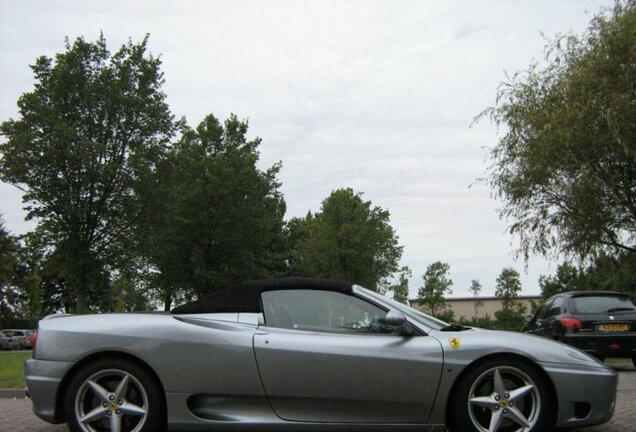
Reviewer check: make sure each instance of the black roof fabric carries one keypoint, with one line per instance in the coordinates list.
(246, 297)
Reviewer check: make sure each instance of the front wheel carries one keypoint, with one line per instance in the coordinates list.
(504, 395)
(114, 395)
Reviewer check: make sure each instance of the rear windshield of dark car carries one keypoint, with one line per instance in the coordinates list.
(602, 304)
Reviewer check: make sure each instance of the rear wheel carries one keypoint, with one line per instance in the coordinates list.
(114, 395)
(504, 395)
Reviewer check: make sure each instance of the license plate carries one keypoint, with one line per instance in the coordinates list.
(613, 327)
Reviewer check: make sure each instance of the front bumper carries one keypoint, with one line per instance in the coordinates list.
(43, 379)
(586, 394)
(603, 344)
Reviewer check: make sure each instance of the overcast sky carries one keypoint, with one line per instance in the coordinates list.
(376, 96)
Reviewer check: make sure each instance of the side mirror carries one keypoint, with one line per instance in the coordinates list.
(528, 318)
(397, 321)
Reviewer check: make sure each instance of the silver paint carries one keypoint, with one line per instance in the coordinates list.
(251, 377)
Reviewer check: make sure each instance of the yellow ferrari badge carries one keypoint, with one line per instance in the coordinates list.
(454, 343)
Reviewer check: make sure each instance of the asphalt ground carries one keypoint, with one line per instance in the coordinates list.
(16, 413)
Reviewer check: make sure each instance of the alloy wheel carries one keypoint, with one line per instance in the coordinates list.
(504, 399)
(111, 400)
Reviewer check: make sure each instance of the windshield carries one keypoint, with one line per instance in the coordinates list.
(414, 314)
(600, 304)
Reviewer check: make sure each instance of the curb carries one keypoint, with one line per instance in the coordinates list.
(13, 394)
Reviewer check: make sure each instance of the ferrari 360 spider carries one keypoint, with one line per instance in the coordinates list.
(300, 354)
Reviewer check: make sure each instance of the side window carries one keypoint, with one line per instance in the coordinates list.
(543, 310)
(324, 311)
(555, 307)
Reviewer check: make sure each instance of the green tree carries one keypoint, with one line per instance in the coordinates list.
(437, 285)
(482, 322)
(348, 239)
(213, 217)
(8, 261)
(92, 126)
(27, 283)
(565, 166)
(612, 273)
(39, 263)
(446, 315)
(401, 289)
(475, 289)
(507, 289)
(566, 279)
(508, 286)
(127, 294)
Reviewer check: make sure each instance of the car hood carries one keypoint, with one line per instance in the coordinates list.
(464, 346)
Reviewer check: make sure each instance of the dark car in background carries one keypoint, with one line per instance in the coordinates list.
(602, 323)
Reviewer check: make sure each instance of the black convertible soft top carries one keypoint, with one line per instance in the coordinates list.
(246, 297)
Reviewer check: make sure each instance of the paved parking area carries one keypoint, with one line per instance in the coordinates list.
(16, 414)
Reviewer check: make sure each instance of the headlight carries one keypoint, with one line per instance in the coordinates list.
(578, 354)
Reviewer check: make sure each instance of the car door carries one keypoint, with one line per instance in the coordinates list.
(545, 322)
(324, 356)
(551, 325)
(535, 325)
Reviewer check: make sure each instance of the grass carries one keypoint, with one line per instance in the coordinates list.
(12, 369)
(618, 360)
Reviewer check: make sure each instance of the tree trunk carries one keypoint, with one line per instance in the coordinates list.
(167, 301)
(81, 290)
(81, 305)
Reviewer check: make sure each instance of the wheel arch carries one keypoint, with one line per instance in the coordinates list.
(503, 356)
(119, 355)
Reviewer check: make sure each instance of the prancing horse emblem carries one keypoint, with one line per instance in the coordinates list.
(454, 343)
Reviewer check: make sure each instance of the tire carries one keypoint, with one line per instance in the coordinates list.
(634, 361)
(501, 395)
(114, 395)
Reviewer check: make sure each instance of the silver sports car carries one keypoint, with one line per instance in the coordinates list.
(302, 354)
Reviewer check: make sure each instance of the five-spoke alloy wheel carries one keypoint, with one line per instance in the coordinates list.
(501, 396)
(114, 395)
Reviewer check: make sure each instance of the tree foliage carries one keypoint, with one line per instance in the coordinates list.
(437, 285)
(610, 273)
(128, 218)
(605, 272)
(213, 217)
(565, 167)
(475, 290)
(508, 286)
(8, 261)
(401, 289)
(507, 289)
(566, 279)
(348, 239)
(92, 126)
